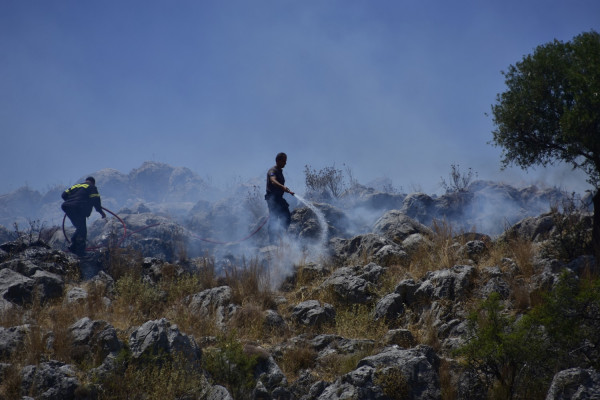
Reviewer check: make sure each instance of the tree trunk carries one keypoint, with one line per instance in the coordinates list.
(596, 232)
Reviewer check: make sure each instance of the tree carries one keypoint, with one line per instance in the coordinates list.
(551, 112)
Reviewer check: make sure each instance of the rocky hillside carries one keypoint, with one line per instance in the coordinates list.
(406, 305)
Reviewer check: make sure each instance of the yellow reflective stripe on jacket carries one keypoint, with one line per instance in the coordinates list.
(94, 195)
(79, 185)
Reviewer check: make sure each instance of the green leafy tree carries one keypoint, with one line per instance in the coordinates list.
(551, 112)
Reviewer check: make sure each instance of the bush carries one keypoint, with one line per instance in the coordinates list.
(459, 181)
(517, 358)
(508, 357)
(230, 367)
(569, 315)
(327, 181)
(150, 378)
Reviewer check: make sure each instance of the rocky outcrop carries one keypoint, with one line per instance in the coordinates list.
(370, 246)
(305, 224)
(313, 313)
(575, 384)
(355, 284)
(93, 341)
(160, 337)
(52, 380)
(394, 372)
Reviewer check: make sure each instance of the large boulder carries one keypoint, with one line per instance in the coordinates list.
(313, 313)
(52, 380)
(393, 373)
(451, 284)
(306, 225)
(160, 337)
(575, 384)
(397, 226)
(215, 302)
(370, 246)
(389, 307)
(11, 340)
(354, 284)
(16, 288)
(93, 340)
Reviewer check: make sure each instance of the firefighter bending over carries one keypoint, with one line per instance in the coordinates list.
(79, 200)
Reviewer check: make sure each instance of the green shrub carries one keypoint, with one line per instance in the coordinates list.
(507, 355)
(569, 315)
(151, 378)
(140, 300)
(229, 366)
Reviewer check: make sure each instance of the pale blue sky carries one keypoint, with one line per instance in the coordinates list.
(395, 89)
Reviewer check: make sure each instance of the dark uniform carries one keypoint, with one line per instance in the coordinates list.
(79, 201)
(279, 211)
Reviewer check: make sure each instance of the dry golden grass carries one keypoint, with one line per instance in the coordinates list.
(423, 329)
(447, 384)
(520, 250)
(440, 252)
(249, 321)
(135, 301)
(393, 275)
(356, 322)
(296, 359)
(250, 283)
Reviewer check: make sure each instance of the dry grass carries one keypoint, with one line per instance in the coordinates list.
(135, 301)
(296, 359)
(441, 252)
(249, 321)
(356, 322)
(447, 384)
(332, 366)
(251, 284)
(520, 250)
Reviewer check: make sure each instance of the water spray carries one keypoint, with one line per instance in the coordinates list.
(320, 218)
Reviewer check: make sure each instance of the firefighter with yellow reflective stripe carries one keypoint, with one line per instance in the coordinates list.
(79, 200)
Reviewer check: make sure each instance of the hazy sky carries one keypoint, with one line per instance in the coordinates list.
(397, 89)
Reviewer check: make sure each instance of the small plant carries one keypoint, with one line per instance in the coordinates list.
(459, 181)
(122, 261)
(138, 301)
(36, 232)
(255, 202)
(249, 319)
(333, 365)
(229, 366)
(440, 252)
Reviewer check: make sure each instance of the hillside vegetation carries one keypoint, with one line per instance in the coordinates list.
(414, 307)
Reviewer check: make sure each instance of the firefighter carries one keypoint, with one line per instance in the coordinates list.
(279, 211)
(79, 200)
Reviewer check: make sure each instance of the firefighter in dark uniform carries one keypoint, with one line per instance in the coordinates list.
(79, 200)
(279, 211)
